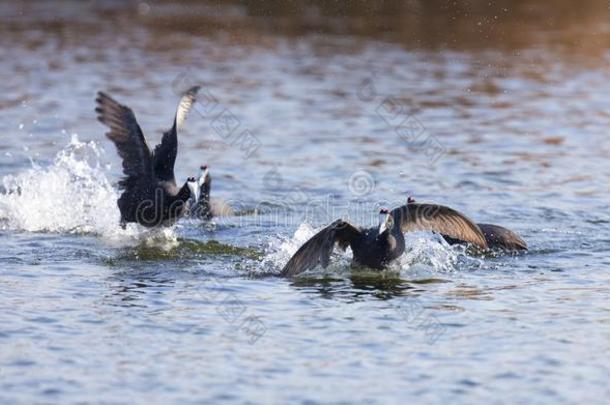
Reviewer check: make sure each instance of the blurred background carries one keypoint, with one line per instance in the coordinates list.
(432, 24)
(435, 24)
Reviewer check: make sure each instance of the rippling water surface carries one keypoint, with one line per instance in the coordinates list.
(513, 132)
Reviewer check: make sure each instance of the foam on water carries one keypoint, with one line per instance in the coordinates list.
(72, 195)
(428, 253)
(280, 249)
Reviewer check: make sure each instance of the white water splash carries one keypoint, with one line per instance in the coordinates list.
(280, 250)
(427, 253)
(72, 195)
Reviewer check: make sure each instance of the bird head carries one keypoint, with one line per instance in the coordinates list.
(193, 186)
(410, 200)
(204, 175)
(386, 221)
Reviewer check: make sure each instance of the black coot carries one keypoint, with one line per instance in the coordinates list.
(207, 207)
(378, 246)
(150, 195)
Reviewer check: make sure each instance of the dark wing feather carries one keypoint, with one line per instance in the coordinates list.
(500, 237)
(164, 157)
(318, 249)
(127, 137)
(440, 219)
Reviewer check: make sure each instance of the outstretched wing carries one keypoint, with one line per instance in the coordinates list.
(500, 237)
(127, 137)
(164, 157)
(440, 219)
(318, 249)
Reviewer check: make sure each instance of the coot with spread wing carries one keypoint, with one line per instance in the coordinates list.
(150, 195)
(377, 247)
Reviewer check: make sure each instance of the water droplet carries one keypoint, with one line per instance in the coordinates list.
(21, 126)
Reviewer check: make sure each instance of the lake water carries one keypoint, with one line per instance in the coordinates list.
(503, 115)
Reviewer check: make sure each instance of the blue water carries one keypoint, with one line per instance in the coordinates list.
(339, 125)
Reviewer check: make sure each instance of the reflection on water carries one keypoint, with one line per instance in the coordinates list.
(358, 287)
(514, 92)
